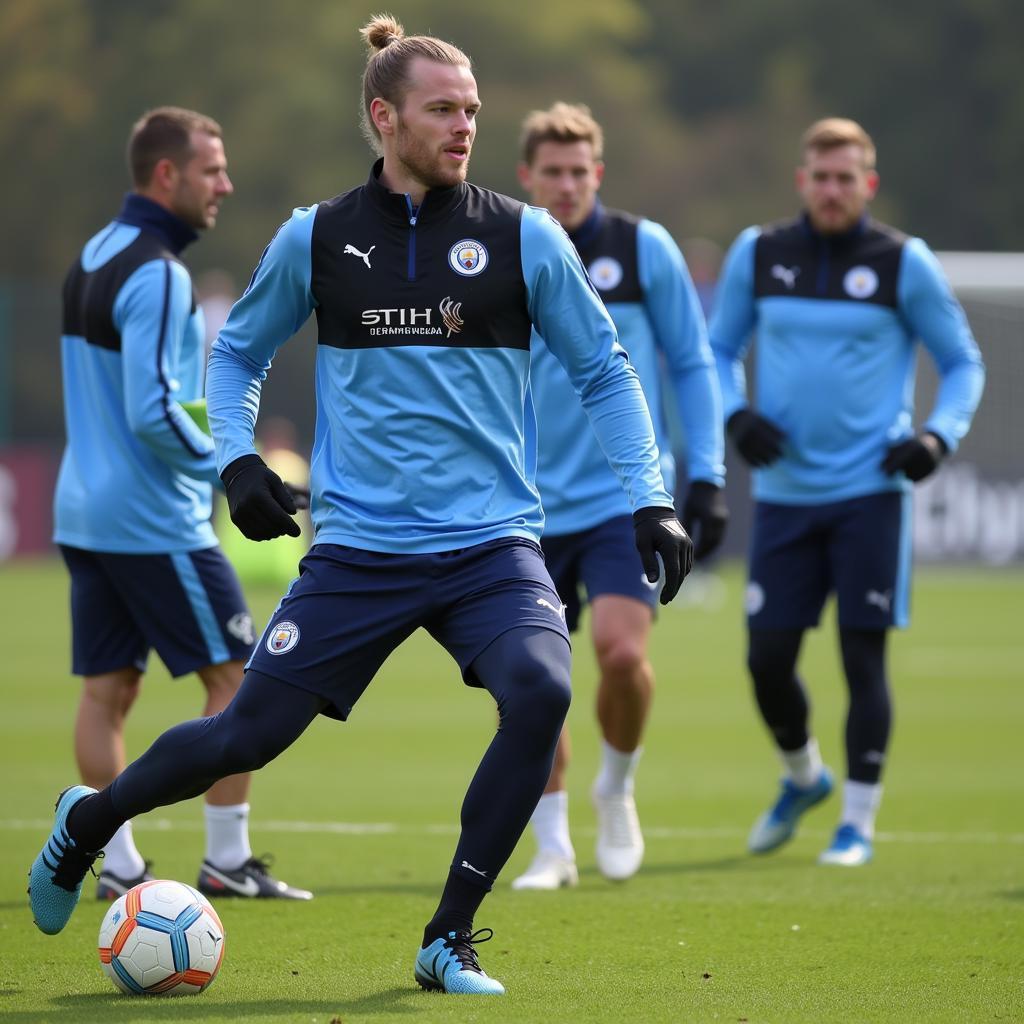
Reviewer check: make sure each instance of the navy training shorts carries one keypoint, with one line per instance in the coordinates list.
(350, 608)
(858, 548)
(187, 606)
(601, 560)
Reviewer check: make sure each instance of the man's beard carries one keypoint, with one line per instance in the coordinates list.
(424, 165)
(191, 211)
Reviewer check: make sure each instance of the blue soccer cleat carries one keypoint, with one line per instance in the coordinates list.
(849, 849)
(55, 881)
(778, 824)
(450, 965)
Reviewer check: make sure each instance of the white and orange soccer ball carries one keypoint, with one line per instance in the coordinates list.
(161, 938)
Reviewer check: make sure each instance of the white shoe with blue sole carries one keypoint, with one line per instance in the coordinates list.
(849, 849)
(450, 965)
(778, 824)
(55, 881)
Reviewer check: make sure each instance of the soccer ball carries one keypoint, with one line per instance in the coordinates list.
(161, 938)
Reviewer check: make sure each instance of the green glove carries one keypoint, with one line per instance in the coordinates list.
(197, 410)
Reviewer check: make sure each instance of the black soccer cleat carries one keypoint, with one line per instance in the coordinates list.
(110, 887)
(252, 880)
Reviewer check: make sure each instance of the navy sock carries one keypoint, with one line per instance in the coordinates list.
(93, 821)
(459, 903)
(265, 717)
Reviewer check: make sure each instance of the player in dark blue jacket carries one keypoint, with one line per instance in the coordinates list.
(837, 302)
(425, 290)
(642, 278)
(132, 504)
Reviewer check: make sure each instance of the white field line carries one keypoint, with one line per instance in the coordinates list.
(380, 828)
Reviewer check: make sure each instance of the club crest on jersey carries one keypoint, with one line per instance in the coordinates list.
(860, 282)
(606, 273)
(283, 636)
(468, 257)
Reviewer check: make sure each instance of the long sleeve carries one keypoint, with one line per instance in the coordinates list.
(275, 305)
(678, 323)
(732, 321)
(932, 313)
(151, 312)
(571, 318)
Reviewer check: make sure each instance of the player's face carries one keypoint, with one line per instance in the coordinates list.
(835, 187)
(435, 125)
(202, 183)
(563, 178)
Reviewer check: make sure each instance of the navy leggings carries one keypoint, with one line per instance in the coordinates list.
(526, 670)
(785, 707)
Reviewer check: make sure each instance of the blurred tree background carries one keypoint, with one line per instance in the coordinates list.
(702, 102)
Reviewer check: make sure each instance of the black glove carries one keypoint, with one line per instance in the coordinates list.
(658, 532)
(259, 501)
(300, 496)
(917, 457)
(705, 516)
(757, 440)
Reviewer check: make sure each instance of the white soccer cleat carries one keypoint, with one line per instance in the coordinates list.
(548, 871)
(620, 843)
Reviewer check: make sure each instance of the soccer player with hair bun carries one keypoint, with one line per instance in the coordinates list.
(425, 289)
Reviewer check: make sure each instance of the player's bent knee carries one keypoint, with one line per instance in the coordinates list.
(622, 659)
(541, 702)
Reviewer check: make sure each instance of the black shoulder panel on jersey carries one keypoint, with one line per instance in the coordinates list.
(610, 256)
(89, 295)
(453, 278)
(791, 261)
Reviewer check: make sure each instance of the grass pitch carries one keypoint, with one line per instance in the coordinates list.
(365, 814)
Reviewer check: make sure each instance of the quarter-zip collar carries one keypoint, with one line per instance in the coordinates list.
(837, 241)
(143, 213)
(437, 203)
(590, 226)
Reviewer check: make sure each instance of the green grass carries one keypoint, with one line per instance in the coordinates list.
(933, 930)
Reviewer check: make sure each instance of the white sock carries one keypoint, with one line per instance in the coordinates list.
(227, 835)
(804, 765)
(860, 805)
(551, 825)
(617, 770)
(120, 856)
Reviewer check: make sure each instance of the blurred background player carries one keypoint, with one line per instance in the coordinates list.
(588, 536)
(132, 505)
(837, 301)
